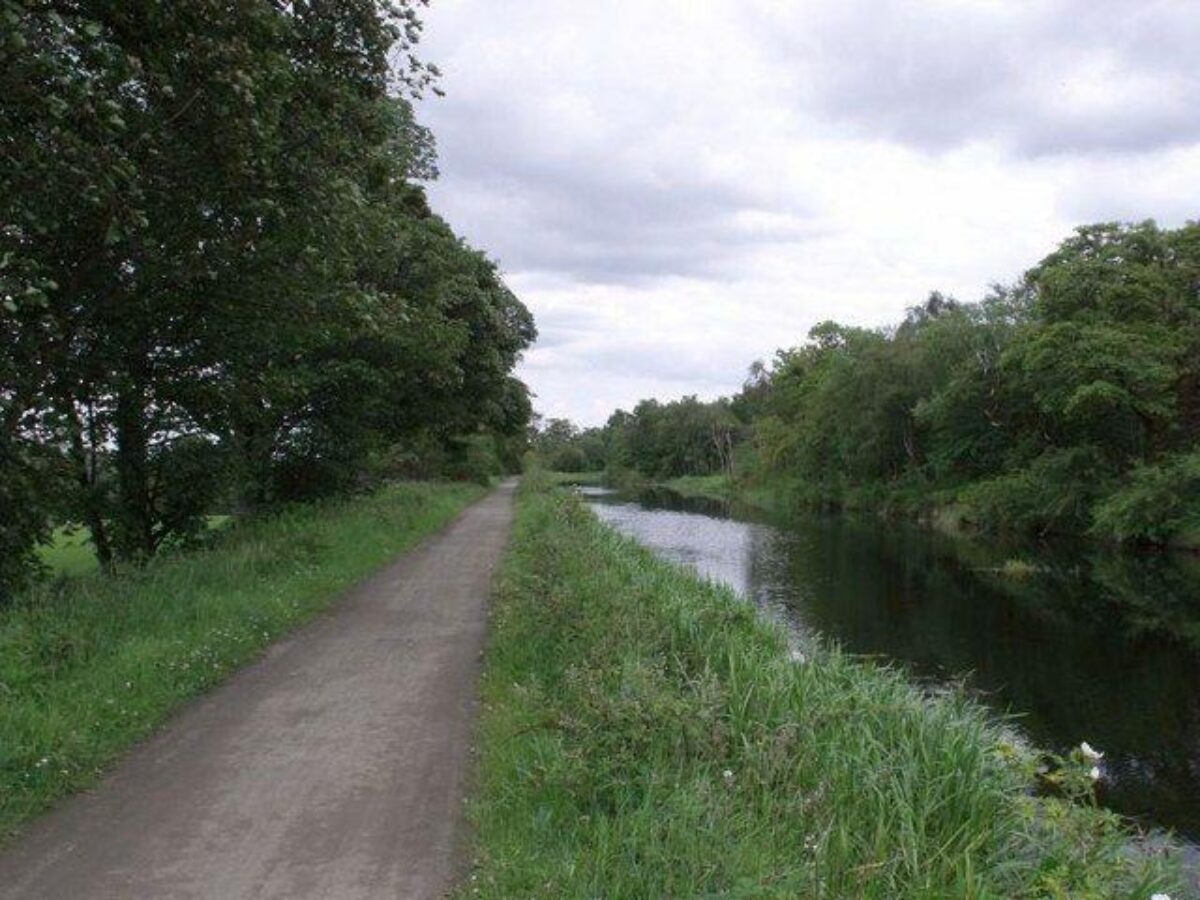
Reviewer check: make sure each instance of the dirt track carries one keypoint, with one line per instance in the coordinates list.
(333, 768)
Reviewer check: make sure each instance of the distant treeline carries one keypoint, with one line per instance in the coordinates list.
(221, 286)
(1067, 402)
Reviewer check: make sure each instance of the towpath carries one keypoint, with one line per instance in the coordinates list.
(334, 767)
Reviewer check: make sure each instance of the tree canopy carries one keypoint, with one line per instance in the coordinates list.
(1068, 401)
(220, 280)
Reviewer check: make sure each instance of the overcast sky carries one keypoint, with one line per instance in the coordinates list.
(679, 187)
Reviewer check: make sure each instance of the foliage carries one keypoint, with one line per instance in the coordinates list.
(1054, 493)
(646, 734)
(90, 665)
(474, 458)
(1068, 402)
(1156, 503)
(563, 447)
(220, 281)
(666, 440)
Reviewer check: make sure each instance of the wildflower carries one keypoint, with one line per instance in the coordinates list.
(1095, 773)
(797, 656)
(1160, 897)
(1090, 753)
(728, 776)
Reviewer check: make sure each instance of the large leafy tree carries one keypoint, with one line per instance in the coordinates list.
(1070, 400)
(217, 273)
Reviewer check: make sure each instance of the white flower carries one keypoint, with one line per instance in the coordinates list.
(797, 656)
(1090, 753)
(1160, 897)
(728, 776)
(1095, 773)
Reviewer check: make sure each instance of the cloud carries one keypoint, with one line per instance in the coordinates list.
(1045, 78)
(570, 138)
(678, 188)
(601, 220)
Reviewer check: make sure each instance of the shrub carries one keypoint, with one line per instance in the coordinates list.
(1157, 504)
(1054, 493)
(474, 458)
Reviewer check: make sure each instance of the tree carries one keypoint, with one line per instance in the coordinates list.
(218, 278)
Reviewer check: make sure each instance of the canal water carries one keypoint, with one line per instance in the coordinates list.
(1076, 642)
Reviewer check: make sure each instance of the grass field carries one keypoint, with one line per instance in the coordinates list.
(70, 551)
(585, 478)
(716, 487)
(88, 665)
(646, 734)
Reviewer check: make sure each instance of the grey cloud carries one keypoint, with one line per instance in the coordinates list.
(595, 218)
(714, 362)
(937, 76)
(566, 326)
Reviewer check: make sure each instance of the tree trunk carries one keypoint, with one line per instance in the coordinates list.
(85, 459)
(133, 472)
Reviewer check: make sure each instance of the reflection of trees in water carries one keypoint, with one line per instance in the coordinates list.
(1161, 595)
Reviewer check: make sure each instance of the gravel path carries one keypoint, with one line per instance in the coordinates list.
(334, 767)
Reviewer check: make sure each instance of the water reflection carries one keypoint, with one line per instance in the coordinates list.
(1090, 645)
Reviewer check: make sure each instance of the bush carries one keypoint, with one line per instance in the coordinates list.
(1054, 493)
(569, 459)
(26, 508)
(474, 458)
(1158, 504)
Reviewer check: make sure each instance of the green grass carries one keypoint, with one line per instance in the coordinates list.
(91, 664)
(646, 734)
(70, 552)
(587, 478)
(716, 487)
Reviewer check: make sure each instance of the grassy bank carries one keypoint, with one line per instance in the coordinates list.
(89, 665)
(714, 487)
(581, 478)
(646, 735)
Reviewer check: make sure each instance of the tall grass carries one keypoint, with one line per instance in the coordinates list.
(89, 665)
(647, 735)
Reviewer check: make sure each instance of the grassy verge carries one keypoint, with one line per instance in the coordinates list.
(584, 478)
(714, 487)
(778, 499)
(91, 664)
(646, 735)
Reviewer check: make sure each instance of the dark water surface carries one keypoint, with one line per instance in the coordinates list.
(1092, 645)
